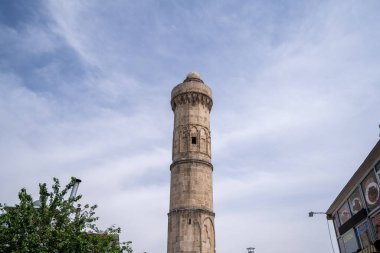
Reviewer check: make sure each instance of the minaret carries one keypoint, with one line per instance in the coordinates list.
(191, 217)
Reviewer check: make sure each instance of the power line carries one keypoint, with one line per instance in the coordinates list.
(328, 228)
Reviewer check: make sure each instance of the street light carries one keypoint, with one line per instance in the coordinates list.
(73, 193)
(75, 188)
(311, 213)
(251, 250)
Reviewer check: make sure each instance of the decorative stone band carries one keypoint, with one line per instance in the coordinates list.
(191, 98)
(185, 127)
(191, 161)
(191, 210)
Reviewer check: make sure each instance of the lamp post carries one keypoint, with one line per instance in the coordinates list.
(74, 190)
(251, 250)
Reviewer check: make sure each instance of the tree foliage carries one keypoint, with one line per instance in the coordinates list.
(59, 224)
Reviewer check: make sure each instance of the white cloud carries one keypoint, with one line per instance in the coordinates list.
(295, 111)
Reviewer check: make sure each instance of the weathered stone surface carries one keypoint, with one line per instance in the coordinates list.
(191, 216)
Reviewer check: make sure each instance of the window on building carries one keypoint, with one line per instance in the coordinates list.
(356, 201)
(377, 166)
(377, 169)
(350, 242)
(193, 140)
(344, 213)
(376, 225)
(336, 224)
(364, 234)
(370, 189)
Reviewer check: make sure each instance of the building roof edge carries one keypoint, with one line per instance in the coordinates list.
(359, 173)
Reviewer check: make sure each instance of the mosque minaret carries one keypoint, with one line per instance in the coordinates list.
(191, 217)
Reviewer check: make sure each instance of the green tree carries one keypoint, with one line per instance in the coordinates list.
(59, 224)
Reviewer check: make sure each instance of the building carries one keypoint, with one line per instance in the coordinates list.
(191, 217)
(356, 210)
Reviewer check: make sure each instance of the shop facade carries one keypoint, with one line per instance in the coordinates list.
(356, 210)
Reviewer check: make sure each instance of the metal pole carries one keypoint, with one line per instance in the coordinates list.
(75, 188)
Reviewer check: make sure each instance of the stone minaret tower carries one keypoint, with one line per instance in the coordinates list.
(191, 217)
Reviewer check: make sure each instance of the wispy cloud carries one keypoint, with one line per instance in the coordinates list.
(85, 90)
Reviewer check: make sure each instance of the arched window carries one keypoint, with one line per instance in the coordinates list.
(184, 140)
(194, 140)
(203, 141)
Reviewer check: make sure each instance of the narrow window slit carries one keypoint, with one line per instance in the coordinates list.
(189, 221)
(193, 140)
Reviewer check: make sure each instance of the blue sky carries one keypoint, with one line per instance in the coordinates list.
(85, 91)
